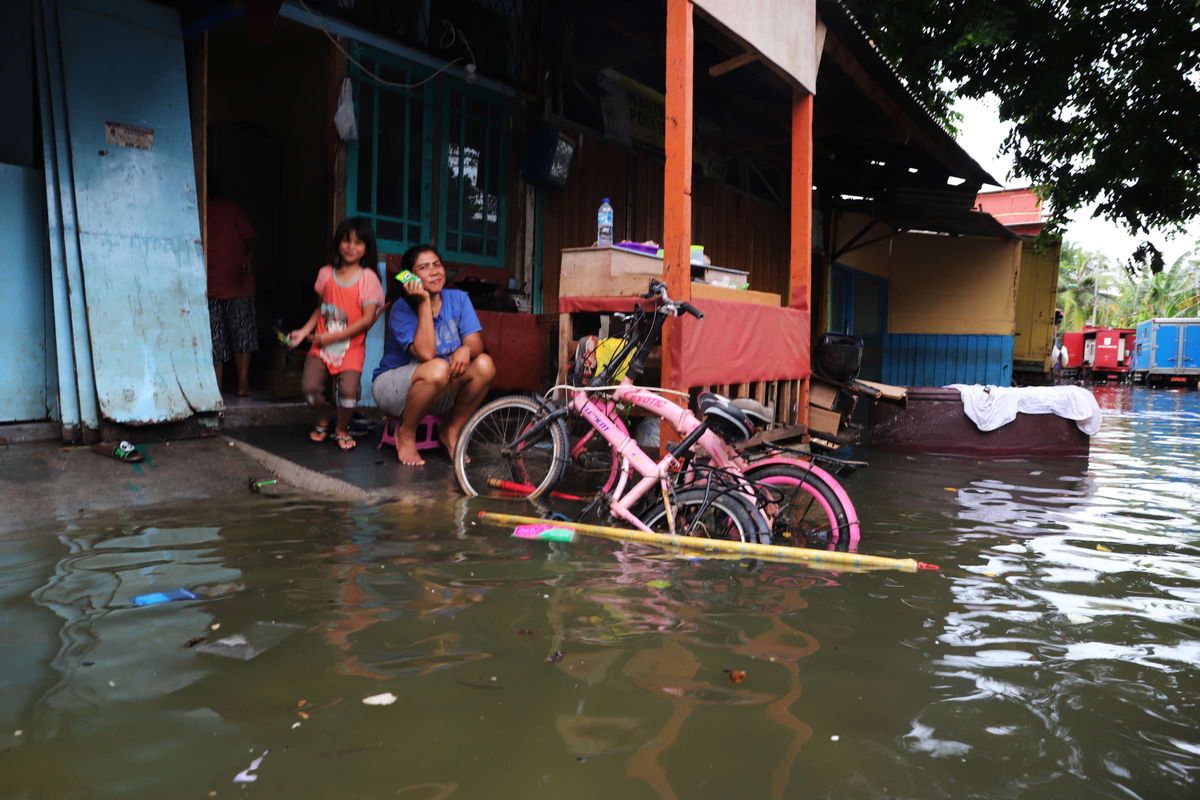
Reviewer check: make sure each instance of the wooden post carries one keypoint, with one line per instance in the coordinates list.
(800, 262)
(677, 174)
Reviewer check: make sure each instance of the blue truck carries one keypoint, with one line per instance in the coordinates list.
(1168, 349)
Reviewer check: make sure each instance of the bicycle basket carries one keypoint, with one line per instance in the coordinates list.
(838, 357)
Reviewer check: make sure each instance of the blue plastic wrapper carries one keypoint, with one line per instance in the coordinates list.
(154, 598)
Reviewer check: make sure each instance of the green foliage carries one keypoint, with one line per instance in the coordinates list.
(1104, 95)
(1090, 285)
(1083, 277)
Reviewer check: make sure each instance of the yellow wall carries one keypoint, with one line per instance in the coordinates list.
(874, 258)
(953, 284)
(1037, 293)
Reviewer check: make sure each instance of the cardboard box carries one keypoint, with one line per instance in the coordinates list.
(822, 420)
(606, 272)
(822, 394)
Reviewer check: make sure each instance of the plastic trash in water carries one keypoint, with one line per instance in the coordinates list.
(544, 533)
(154, 598)
(247, 775)
(256, 486)
(258, 638)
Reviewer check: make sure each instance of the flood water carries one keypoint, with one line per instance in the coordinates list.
(1056, 654)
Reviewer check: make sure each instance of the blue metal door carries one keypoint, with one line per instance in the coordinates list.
(1191, 346)
(135, 193)
(859, 303)
(1166, 346)
(1141, 359)
(23, 326)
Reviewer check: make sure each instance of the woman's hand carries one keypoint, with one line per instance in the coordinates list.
(297, 336)
(415, 289)
(460, 360)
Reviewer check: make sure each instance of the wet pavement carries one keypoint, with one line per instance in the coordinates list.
(1057, 653)
(367, 466)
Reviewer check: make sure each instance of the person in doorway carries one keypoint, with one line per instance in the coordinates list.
(433, 360)
(230, 287)
(350, 296)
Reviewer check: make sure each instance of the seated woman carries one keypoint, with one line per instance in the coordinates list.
(433, 360)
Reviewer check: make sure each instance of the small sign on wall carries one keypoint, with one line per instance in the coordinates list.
(125, 135)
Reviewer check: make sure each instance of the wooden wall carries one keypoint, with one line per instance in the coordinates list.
(737, 231)
(953, 285)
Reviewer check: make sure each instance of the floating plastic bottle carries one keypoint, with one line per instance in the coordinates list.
(604, 224)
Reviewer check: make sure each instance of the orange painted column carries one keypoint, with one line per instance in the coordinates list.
(800, 255)
(677, 175)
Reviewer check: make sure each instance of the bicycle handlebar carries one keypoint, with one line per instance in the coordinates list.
(658, 290)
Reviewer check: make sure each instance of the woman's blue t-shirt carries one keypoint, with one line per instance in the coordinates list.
(455, 320)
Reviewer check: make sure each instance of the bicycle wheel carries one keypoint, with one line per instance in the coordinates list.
(698, 512)
(487, 464)
(808, 509)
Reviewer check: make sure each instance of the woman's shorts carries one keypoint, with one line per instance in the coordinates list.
(391, 389)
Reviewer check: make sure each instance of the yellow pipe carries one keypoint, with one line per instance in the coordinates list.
(823, 558)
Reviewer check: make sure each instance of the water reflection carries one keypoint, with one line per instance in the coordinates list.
(1056, 653)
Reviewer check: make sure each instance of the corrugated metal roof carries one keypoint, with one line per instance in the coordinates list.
(837, 16)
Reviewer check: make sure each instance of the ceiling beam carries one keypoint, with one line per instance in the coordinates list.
(730, 64)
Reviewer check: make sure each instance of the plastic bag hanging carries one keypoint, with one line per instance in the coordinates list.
(343, 118)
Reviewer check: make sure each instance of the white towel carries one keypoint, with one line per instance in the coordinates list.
(991, 407)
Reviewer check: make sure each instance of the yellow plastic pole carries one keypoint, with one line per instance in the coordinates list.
(822, 558)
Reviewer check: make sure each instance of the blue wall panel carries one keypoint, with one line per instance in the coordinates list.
(23, 300)
(138, 224)
(938, 359)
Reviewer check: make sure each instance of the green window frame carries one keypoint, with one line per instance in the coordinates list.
(473, 196)
(390, 166)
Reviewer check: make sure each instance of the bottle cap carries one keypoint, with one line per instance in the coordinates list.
(605, 200)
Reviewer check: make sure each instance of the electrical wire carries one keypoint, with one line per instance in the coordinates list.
(447, 28)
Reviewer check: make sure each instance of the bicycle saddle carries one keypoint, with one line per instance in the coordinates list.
(722, 416)
(764, 415)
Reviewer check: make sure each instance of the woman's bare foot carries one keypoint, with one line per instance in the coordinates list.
(449, 438)
(406, 448)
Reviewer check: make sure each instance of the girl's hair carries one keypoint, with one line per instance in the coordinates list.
(407, 262)
(362, 228)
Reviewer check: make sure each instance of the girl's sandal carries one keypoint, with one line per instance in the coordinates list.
(345, 441)
(319, 433)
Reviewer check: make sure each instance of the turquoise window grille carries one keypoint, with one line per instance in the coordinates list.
(390, 167)
(473, 199)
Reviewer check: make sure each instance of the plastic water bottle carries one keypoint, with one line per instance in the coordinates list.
(604, 224)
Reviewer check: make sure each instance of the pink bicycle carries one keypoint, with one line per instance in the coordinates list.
(519, 445)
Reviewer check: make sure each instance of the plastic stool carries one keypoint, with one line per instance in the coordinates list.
(426, 433)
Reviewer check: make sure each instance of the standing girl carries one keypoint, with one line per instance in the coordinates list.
(350, 295)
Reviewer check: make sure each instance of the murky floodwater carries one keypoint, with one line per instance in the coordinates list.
(1057, 654)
